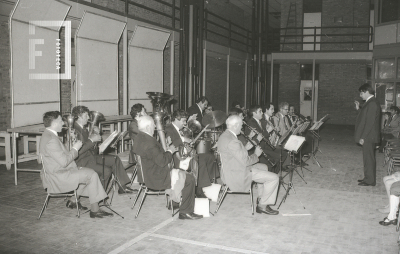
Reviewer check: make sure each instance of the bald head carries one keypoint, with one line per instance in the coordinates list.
(234, 123)
(146, 124)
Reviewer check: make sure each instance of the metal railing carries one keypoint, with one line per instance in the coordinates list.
(327, 35)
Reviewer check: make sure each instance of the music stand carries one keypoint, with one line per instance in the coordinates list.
(300, 131)
(102, 148)
(115, 181)
(292, 145)
(314, 130)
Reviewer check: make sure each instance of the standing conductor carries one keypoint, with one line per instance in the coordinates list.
(367, 132)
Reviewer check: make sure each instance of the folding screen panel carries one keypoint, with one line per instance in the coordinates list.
(146, 64)
(34, 34)
(97, 63)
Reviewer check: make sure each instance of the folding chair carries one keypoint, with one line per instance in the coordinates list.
(57, 195)
(148, 191)
(225, 189)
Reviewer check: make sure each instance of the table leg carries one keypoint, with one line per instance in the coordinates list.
(15, 156)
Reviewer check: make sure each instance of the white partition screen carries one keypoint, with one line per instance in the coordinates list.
(97, 63)
(146, 64)
(35, 84)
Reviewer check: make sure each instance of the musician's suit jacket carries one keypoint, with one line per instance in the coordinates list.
(87, 152)
(394, 126)
(279, 122)
(133, 129)
(194, 109)
(368, 122)
(236, 163)
(171, 132)
(59, 163)
(154, 162)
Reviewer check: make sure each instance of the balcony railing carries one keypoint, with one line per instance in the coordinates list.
(327, 38)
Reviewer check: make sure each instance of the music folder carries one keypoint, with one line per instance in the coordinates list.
(108, 141)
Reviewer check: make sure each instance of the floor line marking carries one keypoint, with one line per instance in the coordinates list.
(210, 245)
(141, 236)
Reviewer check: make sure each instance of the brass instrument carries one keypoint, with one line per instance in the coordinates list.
(160, 110)
(262, 152)
(258, 133)
(69, 122)
(95, 118)
(274, 134)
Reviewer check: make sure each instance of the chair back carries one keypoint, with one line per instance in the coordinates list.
(139, 165)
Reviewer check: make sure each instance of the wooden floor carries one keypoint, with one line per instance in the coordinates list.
(339, 216)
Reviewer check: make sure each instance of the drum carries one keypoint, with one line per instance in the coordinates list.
(204, 145)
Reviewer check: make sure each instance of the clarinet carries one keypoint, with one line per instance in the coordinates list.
(262, 152)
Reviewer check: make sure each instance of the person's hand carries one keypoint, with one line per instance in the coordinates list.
(77, 145)
(251, 134)
(259, 137)
(96, 130)
(361, 142)
(194, 116)
(248, 146)
(258, 151)
(172, 148)
(168, 141)
(357, 104)
(95, 137)
(270, 128)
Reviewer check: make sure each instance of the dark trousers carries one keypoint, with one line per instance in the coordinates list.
(274, 156)
(188, 190)
(207, 169)
(112, 165)
(369, 163)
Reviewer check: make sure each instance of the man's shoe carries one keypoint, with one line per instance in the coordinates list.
(190, 216)
(126, 190)
(174, 205)
(387, 222)
(72, 205)
(360, 180)
(100, 214)
(365, 184)
(266, 210)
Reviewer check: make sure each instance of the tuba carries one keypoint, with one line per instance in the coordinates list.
(69, 121)
(160, 110)
(95, 118)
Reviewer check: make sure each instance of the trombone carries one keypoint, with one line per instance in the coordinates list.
(258, 133)
(254, 144)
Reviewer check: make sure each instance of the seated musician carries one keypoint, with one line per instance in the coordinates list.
(281, 122)
(293, 118)
(273, 136)
(88, 155)
(198, 108)
(206, 161)
(156, 169)
(239, 169)
(394, 198)
(393, 127)
(255, 114)
(137, 111)
(62, 175)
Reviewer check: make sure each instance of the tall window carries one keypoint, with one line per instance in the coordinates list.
(389, 10)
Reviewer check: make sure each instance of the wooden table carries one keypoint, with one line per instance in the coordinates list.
(36, 129)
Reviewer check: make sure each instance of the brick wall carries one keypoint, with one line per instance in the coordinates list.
(5, 65)
(289, 84)
(353, 13)
(338, 88)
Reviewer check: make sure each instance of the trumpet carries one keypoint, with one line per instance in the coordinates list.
(262, 152)
(258, 133)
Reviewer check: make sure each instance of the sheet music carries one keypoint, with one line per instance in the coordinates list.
(294, 143)
(107, 142)
(304, 127)
(314, 126)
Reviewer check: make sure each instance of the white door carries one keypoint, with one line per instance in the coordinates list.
(306, 96)
(311, 20)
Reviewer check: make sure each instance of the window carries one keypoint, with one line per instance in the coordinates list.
(389, 10)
